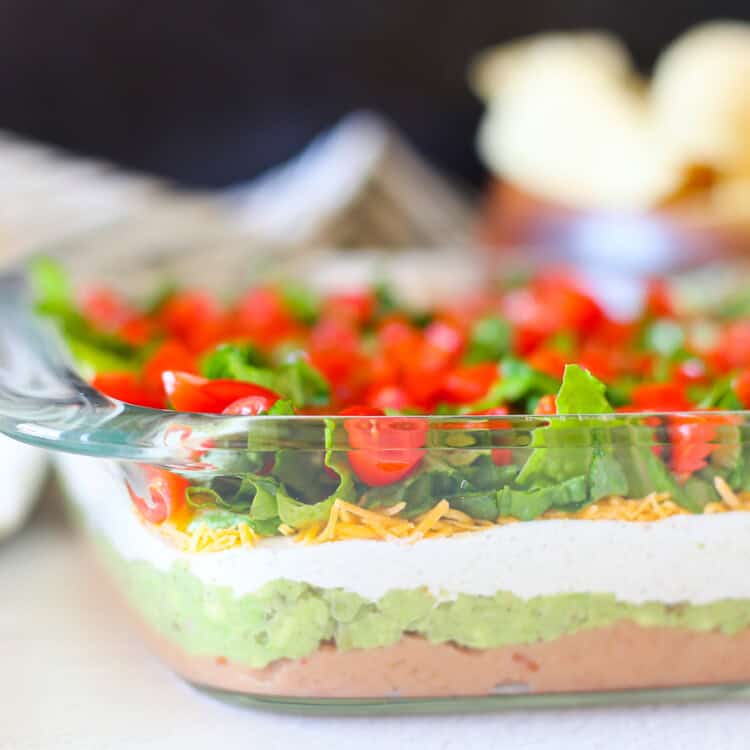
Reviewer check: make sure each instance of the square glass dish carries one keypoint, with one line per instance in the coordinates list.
(329, 561)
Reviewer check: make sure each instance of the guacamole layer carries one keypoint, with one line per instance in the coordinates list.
(289, 619)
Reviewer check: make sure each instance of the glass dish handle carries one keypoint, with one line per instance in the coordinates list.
(38, 383)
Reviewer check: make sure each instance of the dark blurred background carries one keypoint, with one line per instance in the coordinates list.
(212, 92)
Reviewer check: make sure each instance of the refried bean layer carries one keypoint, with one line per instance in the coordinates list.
(621, 656)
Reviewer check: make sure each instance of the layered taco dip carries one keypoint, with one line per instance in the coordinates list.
(507, 491)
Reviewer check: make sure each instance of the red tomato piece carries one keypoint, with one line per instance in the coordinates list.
(691, 439)
(105, 308)
(358, 307)
(690, 371)
(546, 405)
(125, 386)
(183, 312)
(733, 349)
(184, 392)
(569, 304)
(263, 317)
(438, 350)
(502, 456)
(137, 331)
(445, 337)
(549, 362)
(469, 383)
(398, 340)
(385, 450)
(533, 320)
(251, 406)
(109, 311)
(189, 392)
(388, 397)
(171, 355)
(660, 397)
(166, 494)
(742, 388)
(334, 349)
(659, 299)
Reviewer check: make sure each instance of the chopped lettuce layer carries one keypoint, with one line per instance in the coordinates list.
(569, 464)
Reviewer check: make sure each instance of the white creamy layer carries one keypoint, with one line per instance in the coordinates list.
(696, 559)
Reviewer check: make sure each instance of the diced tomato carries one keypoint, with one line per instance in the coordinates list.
(742, 388)
(613, 334)
(546, 405)
(334, 349)
(108, 311)
(554, 302)
(388, 397)
(184, 312)
(210, 332)
(658, 299)
(468, 383)
(358, 307)
(251, 406)
(263, 317)
(188, 392)
(171, 355)
(548, 361)
(691, 439)
(660, 397)
(126, 386)
(733, 349)
(572, 307)
(166, 495)
(385, 450)
(397, 337)
(604, 364)
(105, 308)
(382, 371)
(136, 331)
(502, 456)
(439, 350)
(691, 371)
(532, 319)
(444, 340)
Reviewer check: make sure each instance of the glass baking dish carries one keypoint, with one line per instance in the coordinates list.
(438, 593)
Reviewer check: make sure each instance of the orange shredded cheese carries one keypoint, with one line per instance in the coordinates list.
(205, 539)
(350, 521)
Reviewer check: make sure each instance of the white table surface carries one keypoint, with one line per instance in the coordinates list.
(74, 675)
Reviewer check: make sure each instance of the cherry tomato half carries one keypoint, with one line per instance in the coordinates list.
(385, 450)
(166, 495)
(126, 386)
(188, 392)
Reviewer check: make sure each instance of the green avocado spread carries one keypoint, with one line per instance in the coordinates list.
(288, 619)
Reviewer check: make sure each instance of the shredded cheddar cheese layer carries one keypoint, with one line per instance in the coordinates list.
(349, 521)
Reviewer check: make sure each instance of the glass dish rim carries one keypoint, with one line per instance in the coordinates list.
(81, 420)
